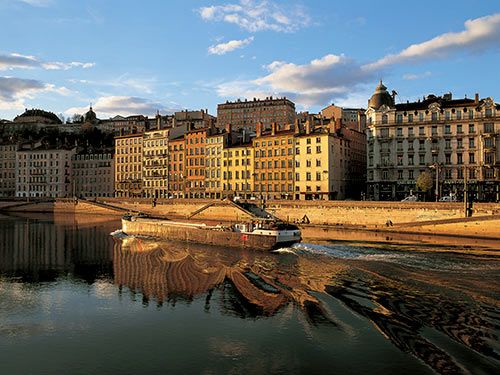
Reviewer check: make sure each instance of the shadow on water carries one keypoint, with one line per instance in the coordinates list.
(442, 309)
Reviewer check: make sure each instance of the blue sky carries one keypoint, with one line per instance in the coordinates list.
(129, 57)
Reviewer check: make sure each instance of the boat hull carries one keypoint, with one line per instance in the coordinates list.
(199, 234)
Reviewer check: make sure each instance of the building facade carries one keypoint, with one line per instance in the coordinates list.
(176, 167)
(238, 171)
(451, 139)
(128, 165)
(194, 181)
(245, 114)
(8, 170)
(214, 145)
(44, 173)
(155, 163)
(274, 162)
(93, 174)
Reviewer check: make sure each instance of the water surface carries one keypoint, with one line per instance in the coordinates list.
(74, 300)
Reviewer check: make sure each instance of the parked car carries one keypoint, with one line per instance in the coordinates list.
(410, 198)
(448, 198)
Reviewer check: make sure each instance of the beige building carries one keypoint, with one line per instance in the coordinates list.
(321, 160)
(8, 170)
(93, 174)
(44, 173)
(155, 163)
(215, 143)
(128, 165)
(177, 166)
(245, 114)
(438, 134)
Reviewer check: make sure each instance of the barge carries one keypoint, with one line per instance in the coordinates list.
(258, 235)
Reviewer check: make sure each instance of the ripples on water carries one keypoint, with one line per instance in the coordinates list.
(308, 304)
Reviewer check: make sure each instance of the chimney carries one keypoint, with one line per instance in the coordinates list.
(273, 128)
(297, 126)
(308, 126)
(258, 130)
(476, 98)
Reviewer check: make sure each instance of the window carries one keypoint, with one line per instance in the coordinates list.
(459, 158)
(399, 132)
(434, 130)
(421, 159)
(410, 118)
(421, 130)
(400, 159)
(447, 115)
(384, 119)
(459, 143)
(459, 129)
(447, 158)
(434, 116)
(447, 143)
(447, 129)
(488, 112)
(471, 129)
(488, 128)
(308, 176)
(318, 162)
(400, 175)
(459, 114)
(471, 143)
(410, 159)
(471, 114)
(384, 133)
(399, 118)
(410, 132)
(489, 158)
(308, 150)
(410, 175)
(318, 176)
(318, 149)
(472, 159)
(385, 175)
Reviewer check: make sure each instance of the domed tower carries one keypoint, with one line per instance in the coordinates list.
(380, 97)
(90, 117)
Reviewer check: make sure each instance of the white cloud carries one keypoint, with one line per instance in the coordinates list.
(258, 15)
(37, 3)
(15, 91)
(339, 78)
(124, 81)
(479, 33)
(313, 83)
(413, 76)
(19, 61)
(223, 48)
(109, 106)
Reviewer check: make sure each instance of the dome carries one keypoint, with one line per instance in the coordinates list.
(90, 116)
(380, 97)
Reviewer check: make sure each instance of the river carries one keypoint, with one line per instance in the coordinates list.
(73, 300)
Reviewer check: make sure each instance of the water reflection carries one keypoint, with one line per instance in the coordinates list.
(36, 250)
(407, 309)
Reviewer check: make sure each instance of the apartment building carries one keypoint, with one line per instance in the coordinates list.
(44, 172)
(8, 169)
(128, 165)
(245, 114)
(155, 163)
(176, 166)
(238, 171)
(194, 181)
(274, 162)
(214, 145)
(457, 139)
(93, 173)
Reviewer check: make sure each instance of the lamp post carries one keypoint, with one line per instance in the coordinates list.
(436, 166)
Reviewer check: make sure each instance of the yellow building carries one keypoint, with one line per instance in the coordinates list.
(128, 165)
(238, 171)
(320, 165)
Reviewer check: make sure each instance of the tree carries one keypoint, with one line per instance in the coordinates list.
(425, 182)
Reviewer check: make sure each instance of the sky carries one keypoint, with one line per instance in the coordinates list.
(137, 57)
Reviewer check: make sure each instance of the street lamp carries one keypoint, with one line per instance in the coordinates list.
(437, 167)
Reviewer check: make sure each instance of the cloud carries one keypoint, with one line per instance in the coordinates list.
(18, 61)
(223, 48)
(315, 82)
(413, 77)
(339, 78)
(109, 106)
(14, 91)
(479, 34)
(37, 3)
(124, 81)
(255, 16)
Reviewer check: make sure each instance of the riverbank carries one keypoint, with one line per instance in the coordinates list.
(443, 219)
